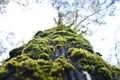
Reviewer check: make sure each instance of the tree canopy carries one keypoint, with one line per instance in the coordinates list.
(80, 14)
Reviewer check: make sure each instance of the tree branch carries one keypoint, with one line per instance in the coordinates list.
(75, 20)
(116, 47)
(96, 12)
(22, 4)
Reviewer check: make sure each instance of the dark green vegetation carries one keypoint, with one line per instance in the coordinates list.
(56, 54)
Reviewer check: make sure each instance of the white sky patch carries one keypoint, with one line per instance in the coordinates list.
(24, 23)
(103, 39)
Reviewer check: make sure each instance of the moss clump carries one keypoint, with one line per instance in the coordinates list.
(115, 73)
(60, 65)
(64, 36)
(56, 54)
(44, 56)
(15, 52)
(89, 68)
(23, 68)
(36, 46)
(95, 65)
(104, 73)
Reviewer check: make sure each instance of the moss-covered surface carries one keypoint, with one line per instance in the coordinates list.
(56, 54)
(92, 63)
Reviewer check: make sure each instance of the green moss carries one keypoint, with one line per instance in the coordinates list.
(35, 51)
(115, 72)
(59, 39)
(32, 48)
(64, 33)
(49, 50)
(15, 52)
(79, 42)
(37, 59)
(89, 68)
(20, 58)
(36, 46)
(91, 62)
(104, 73)
(3, 72)
(38, 40)
(26, 68)
(59, 66)
(23, 67)
(44, 56)
(56, 70)
(77, 53)
(65, 63)
(64, 36)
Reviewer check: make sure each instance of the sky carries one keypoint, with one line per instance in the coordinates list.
(103, 39)
(25, 22)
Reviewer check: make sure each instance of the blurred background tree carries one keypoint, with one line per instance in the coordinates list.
(117, 47)
(78, 14)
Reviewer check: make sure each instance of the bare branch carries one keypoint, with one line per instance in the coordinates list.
(116, 47)
(116, 54)
(96, 12)
(21, 3)
(75, 20)
(55, 21)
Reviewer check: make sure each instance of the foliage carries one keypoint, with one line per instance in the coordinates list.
(71, 12)
(3, 4)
